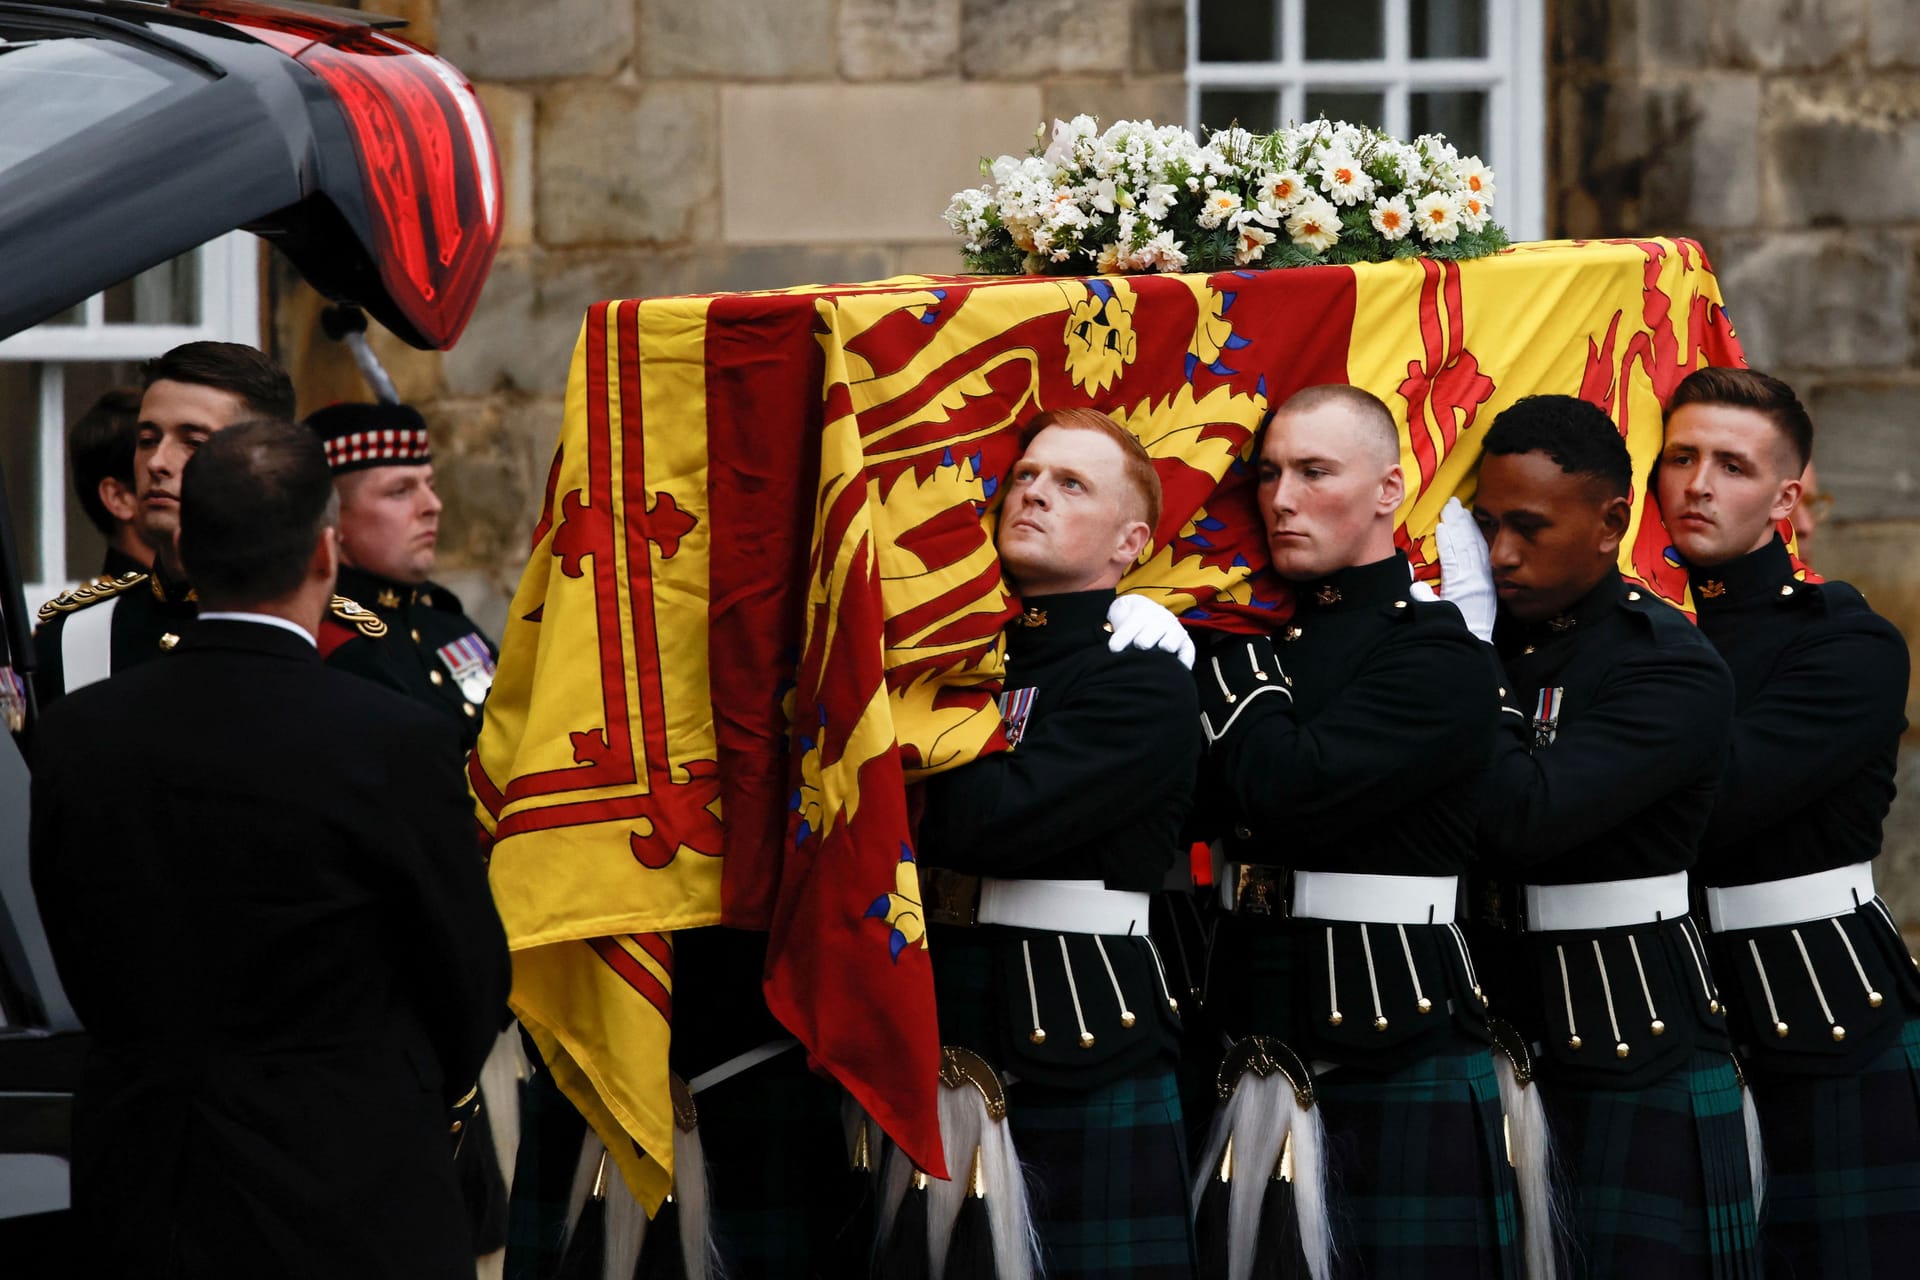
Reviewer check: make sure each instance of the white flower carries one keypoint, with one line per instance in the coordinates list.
(1157, 200)
(1438, 216)
(1281, 189)
(1253, 245)
(1103, 195)
(1477, 179)
(1314, 223)
(1220, 206)
(1160, 253)
(1342, 178)
(1111, 260)
(1474, 214)
(1391, 218)
(1067, 134)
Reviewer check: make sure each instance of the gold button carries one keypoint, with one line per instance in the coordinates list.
(468, 708)
(1425, 1005)
(1573, 1042)
(1334, 1019)
(169, 640)
(1633, 595)
(1620, 1050)
(1037, 1035)
(1786, 591)
(415, 633)
(1780, 1029)
(1399, 604)
(436, 677)
(1086, 1039)
(1126, 1018)
(1839, 1032)
(1380, 1023)
(457, 1126)
(1659, 1028)
(1874, 999)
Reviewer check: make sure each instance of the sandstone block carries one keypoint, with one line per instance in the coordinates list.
(1014, 39)
(1704, 154)
(1799, 34)
(1674, 35)
(510, 112)
(423, 18)
(1864, 444)
(1842, 151)
(1159, 37)
(1896, 873)
(750, 39)
(899, 39)
(863, 164)
(1893, 37)
(1162, 100)
(511, 40)
(619, 164)
(1817, 300)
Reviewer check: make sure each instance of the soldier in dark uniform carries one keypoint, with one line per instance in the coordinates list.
(100, 460)
(189, 393)
(1824, 998)
(1350, 748)
(1036, 866)
(274, 926)
(389, 537)
(1616, 719)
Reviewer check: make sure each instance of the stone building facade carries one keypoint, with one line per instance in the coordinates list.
(666, 146)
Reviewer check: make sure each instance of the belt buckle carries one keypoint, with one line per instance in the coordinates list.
(950, 898)
(1259, 890)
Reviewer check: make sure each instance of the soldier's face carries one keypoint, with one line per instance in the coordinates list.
(1727, 477)
(175, 419)
(1326, 486)
(390, 521)
(1070, 520)
(1550, 536)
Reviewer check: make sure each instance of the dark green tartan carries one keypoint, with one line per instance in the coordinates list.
(1107, 1176)
(1418, 1179)
(1843, 1161)
(1659, 1177)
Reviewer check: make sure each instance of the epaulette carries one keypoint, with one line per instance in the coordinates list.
(356, 615)
(89, 593)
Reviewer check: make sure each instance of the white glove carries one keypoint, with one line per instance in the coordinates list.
(1466, 572)
(1423, 593)
(1139, 623)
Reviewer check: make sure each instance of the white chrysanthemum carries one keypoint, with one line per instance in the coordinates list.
(1477, 179)
(1161, 252)
(1391, 218)
(1220, 206)
(1111, 260)
(1314, 223)
(1342, 178)
(1474, 214)
(1156, 201)
(1252, 246)
(1281, 189)
(1437, 214)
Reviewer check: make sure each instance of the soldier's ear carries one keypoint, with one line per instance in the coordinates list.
(1393, 488)
(118, 499)
(1615, 518)
(325, 563)
(1133, 541)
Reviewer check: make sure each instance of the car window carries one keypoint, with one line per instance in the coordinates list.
(52, 88)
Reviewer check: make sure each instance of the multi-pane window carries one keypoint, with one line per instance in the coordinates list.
(1471, 69)
(51, 374)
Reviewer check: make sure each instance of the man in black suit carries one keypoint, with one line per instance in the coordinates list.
(278, 933)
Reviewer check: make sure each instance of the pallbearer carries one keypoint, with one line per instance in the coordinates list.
(1823, 995)
(1615, 723)
(1351, 746)
(1036, 866)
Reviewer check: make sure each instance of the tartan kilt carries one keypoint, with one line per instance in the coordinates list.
(1659, 1180)
(1843, 1162)
(1107, 1176)
(1418, 1179)
(551, 1131)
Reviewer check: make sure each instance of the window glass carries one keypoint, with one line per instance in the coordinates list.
(166, 294)
(1356, 106)
(1239, 30)
(1345, 30)
(1447, 28)
(1461, 115)
(20, 459)
(1257, 110)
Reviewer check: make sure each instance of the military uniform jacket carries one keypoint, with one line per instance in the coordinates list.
(431, 651)
(126, 619)
(1615, 723)
(1820, 687)
(1095, 787)
(1371, 765)
(260, 885)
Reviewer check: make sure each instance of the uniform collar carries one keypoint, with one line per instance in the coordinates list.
(118, 564)
(235, 633)
(382, 594)
(1381, 583)
(1765, 574)
(1510, 632)
(168, 589)
(1051, 623)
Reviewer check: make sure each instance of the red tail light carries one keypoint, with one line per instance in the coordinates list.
(426, 155)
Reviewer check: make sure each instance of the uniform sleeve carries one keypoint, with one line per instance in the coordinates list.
(1121, 747)
(458, 952)
(1424, 696)
(1834, 702)
(345, 649)
(45, 824)
(49, 676)
(1659, 720)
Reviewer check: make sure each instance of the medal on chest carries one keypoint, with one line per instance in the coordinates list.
(1546, 716)
(471, 666)
(1015, 706)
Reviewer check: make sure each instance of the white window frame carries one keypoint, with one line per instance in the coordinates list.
(1513, 73)
(229, 311)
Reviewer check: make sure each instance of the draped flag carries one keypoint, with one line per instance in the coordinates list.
(763, 595)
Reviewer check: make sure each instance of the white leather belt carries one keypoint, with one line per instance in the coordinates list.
(1063, 906)
(1255, 890)
(1794, 900)
(1605, 904)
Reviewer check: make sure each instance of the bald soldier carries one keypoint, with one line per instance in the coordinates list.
(1349, 748)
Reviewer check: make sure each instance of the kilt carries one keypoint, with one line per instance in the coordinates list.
(551, 1131)
(1659, 1176)
(1417, 1172)
(1843, 1158)
(1107, 1176)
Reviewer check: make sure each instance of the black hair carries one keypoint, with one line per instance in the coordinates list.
(226, 366)
(99, 446)
(1581, 440)
(253, 499)
(1751, 389)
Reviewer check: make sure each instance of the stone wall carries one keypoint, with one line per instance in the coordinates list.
(1785, 135)
(654, 147)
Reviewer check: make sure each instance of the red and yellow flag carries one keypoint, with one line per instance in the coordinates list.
(763, 595)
